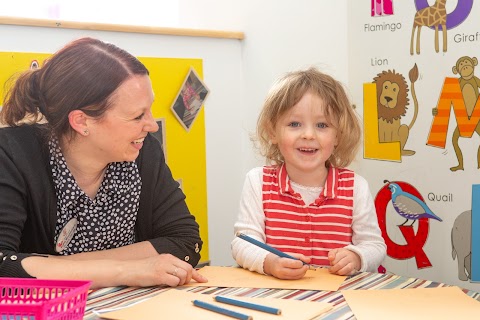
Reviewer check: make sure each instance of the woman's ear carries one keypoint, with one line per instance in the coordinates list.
(78, 122)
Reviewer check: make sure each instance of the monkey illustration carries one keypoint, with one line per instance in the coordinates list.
(469, 85)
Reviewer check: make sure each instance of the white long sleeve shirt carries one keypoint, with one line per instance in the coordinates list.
(367, 240)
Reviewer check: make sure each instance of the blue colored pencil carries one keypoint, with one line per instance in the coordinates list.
(217, 309)
(268, 248)
(248, 305)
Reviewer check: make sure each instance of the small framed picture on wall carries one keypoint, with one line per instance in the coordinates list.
(160, 135)
(189, 100)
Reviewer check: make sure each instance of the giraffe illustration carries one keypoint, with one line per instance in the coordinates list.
(433, 16)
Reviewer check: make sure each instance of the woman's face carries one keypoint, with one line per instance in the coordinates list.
(118, 136)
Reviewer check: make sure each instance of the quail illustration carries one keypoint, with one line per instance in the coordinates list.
(409, 206)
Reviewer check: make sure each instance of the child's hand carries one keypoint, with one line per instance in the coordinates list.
(344, 262)
(285, 268)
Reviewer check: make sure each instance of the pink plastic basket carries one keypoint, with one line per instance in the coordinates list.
(34, 299)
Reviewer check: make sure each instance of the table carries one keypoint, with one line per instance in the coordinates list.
(123, 296)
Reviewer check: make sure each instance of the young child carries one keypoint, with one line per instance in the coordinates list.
(306, 203)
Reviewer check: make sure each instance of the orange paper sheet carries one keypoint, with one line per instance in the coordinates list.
(177, 304)
(319, 279)
(420, 303)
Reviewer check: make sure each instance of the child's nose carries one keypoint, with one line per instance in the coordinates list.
(308, 132)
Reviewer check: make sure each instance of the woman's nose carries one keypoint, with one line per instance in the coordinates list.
(151, 125)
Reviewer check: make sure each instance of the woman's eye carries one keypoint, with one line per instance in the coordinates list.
(322, 125)
(294, 124)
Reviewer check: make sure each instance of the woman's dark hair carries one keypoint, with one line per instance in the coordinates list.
(83, 75)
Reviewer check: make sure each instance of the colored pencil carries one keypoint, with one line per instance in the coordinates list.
(269, 249)
(248, 305)
(217, 309)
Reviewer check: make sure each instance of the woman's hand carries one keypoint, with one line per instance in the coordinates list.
(285, 268)
(344, 262)
(163, 269)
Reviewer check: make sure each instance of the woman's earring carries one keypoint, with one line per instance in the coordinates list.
(85, 132)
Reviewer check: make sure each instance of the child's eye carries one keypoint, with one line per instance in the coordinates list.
(322, 125)
(294, 124)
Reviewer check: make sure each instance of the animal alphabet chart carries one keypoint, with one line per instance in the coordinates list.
(414, 76)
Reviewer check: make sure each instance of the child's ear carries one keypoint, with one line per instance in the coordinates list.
(273, 136)
(273, 140)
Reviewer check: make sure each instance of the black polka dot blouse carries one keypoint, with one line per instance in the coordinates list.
(105, 222)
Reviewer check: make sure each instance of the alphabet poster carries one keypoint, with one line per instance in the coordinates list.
(415, 81)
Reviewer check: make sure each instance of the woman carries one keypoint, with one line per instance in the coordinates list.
(88, 194)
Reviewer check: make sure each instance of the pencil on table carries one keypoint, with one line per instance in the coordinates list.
(248, 305)
(217, 309)
(269, 248)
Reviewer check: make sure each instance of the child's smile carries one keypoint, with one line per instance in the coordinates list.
(306, 139)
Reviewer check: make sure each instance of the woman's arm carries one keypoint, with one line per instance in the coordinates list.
(163, 269)
(13, 212)
(135, 251)
(164, 219)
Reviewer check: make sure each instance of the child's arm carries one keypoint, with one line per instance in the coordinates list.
(285, 268)
(344, 262)
(251, 221)
(367, 241)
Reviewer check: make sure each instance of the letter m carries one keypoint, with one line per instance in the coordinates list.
(452, 95)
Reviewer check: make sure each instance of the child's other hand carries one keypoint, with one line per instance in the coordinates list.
(285, 268)
(344, 262)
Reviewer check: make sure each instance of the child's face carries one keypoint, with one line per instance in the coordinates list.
(305, 137)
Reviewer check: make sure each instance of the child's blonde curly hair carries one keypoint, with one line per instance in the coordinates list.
(288, 91)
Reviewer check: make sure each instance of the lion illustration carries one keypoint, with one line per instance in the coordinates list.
(392, 102)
